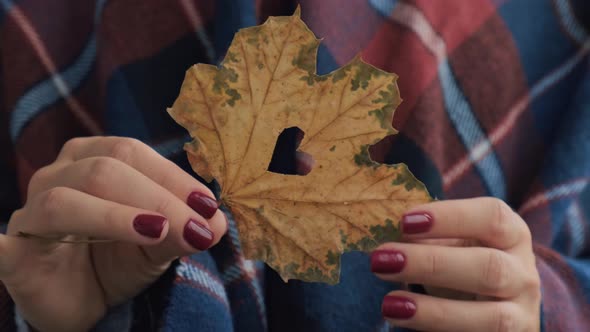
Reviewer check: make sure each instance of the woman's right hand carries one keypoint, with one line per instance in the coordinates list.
(102, 188)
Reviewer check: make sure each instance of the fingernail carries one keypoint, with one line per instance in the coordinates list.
(387, 261)
(398, 307)
(202, 204)
(197, 235)
(416, 222)
(149, 225)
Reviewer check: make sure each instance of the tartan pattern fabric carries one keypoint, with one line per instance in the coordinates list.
(496, 102)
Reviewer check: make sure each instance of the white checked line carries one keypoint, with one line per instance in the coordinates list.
(456, 104)
(483, 148)
(50, 90)
(567, 189)
(202, 278)
(195, 20)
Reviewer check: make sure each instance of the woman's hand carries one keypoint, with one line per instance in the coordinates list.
(104, 188)
(476, 251)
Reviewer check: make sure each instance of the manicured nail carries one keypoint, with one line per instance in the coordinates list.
(387, 261)
(398, 307)
(149, 225)
(202, 204)
(416, 222)
(197, 235)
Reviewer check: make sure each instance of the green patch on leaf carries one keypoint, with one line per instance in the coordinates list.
(385, 233)
(407, 179)
(222, 77)
(311, 274)
(363, 76)
(305, 59)
(194, 145)
(333, 148)
(363, 158)
(311, 78)
(343, 237)
(365, 244)
(234, 95)
(385, 114)
(332, 258)
(231, 57)
(251, 35)
(221, 83)
(340, 73)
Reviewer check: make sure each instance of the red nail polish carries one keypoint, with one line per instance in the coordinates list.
(197, 235)
(149, 225)
(398, 307)
(202, 204)
(416, 222)
(387, 261)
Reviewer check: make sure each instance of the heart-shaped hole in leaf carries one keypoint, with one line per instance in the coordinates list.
(298, 225)
(286, 159)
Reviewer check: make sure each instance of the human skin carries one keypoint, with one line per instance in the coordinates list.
(474, 257)
(107, 188)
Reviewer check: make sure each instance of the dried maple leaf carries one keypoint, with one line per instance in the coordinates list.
(299, 225)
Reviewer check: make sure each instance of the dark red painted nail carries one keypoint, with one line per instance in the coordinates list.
(416, 222)
(387, 261)
(398, 307)
(202, 204)
(197, 235)
(149, 225)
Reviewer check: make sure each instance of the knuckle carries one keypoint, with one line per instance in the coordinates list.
(111, 219)
(165, 179)
(432, 266)
(525, 232)
(38, 179)
(165, 205)
(72, 145)
(500, 226)
(532, 284)
(52, 202)
(125, 149)
(495, 278)
(439, 314)
(99, 174)
(16, 216)
(504, 318)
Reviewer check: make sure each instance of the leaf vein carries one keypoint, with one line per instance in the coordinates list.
(344, 112)
(256, 116)
(210, 112)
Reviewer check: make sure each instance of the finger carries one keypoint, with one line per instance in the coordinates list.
(427, 313)
(447, 242)
(7, 255)
(115, 181)
(483, 271)
(63, 211)
(303, 163)
(148, 162)
(487, 220)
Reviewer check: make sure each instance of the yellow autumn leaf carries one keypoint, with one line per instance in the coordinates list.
(298, 225)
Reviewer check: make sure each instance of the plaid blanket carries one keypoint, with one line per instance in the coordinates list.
(496, 102)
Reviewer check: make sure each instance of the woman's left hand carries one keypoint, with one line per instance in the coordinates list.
(478, 247)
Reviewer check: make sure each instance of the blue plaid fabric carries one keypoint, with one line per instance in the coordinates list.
(496, 102)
